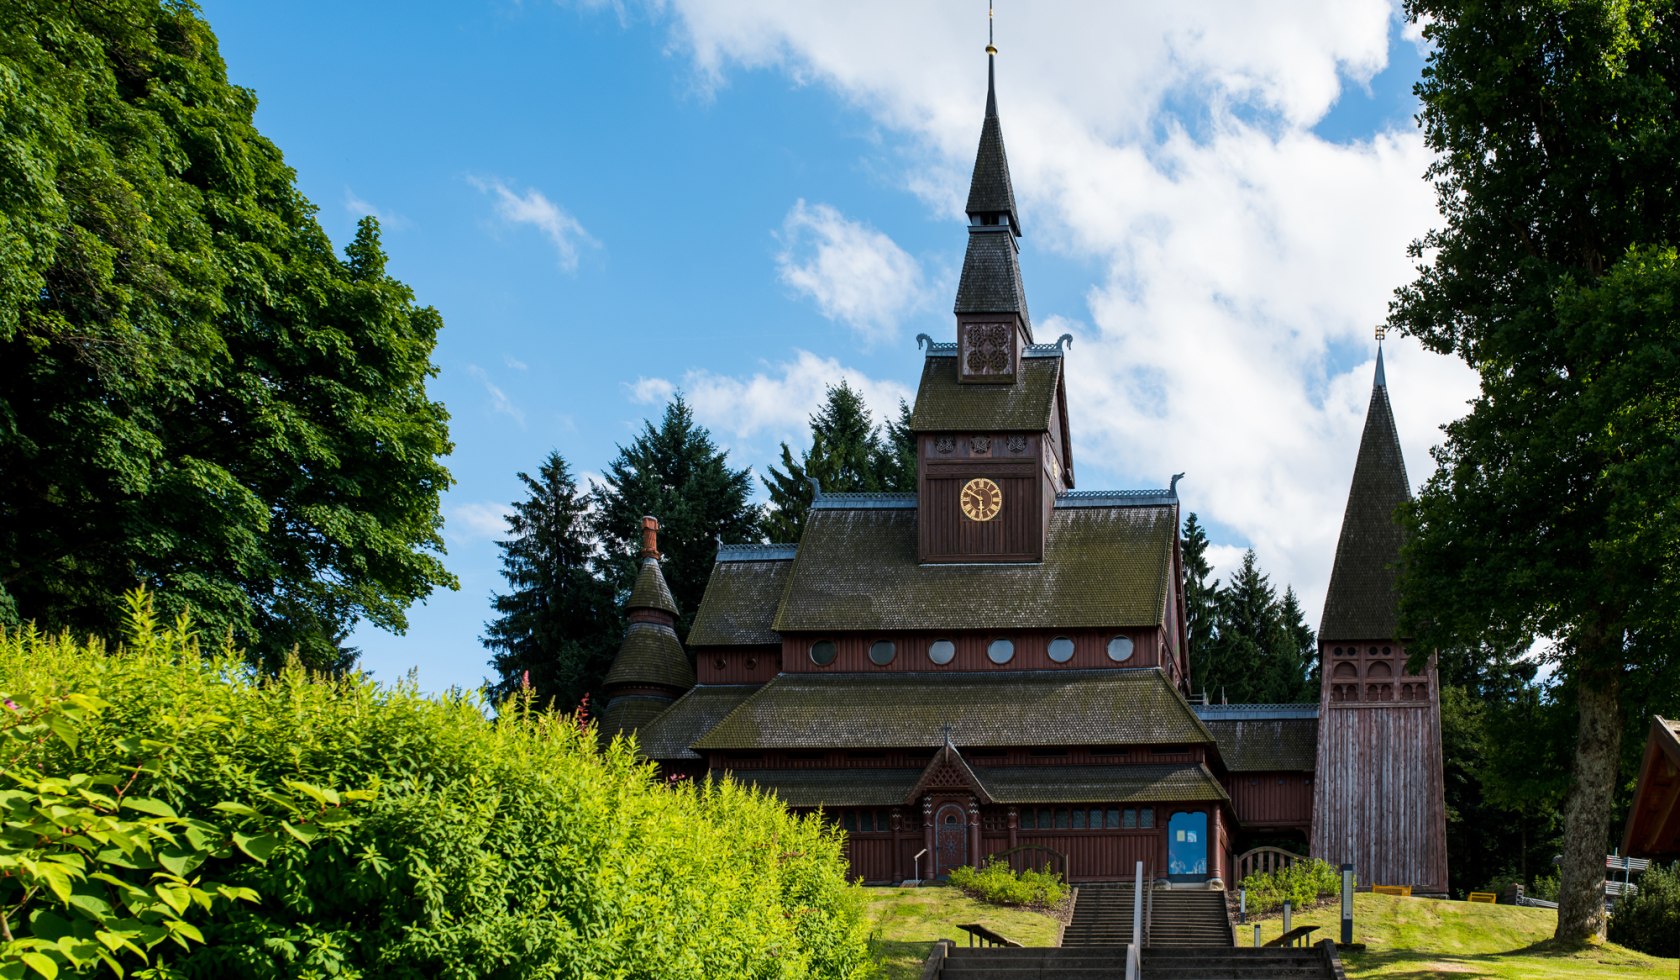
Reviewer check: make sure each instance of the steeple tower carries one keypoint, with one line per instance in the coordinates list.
(651, 669)
(1378, 797)
(992, 322)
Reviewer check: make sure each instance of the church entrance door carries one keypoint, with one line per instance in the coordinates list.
(950, 839)
(1187, 848)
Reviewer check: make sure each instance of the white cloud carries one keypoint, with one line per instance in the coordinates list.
(499, 401)
(857, 275)
(776, 402)
(483, 521)
(360, 207)
(535, 209)
(1243, 260)
(514, 363)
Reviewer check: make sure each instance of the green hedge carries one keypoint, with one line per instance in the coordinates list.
(1649, 919)
(997, 884)
(1301, 884)
(211, 824)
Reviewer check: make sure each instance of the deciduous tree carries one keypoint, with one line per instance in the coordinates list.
(196, 393)
(1555, 508)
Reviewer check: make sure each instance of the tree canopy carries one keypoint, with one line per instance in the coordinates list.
(556, 626)
(848, 454)
(1555, 509)
(675, 473)
(196, 393)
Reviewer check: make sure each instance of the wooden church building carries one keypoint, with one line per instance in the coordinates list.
(997, 663)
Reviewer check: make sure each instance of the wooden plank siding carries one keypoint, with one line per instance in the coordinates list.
(1015, 534)
(737, 665)
(1379, 801)
(1272, 800)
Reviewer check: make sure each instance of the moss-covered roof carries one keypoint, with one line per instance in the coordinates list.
(911, 710)
(650, 655)
(1266, 745)
(1101, 784)
(630, 712)
(650, 590)
(1048, 785)
(739, 607)
(693, 715)
(1362, 600)
(831, 787)
(945, 405)
(857, 570)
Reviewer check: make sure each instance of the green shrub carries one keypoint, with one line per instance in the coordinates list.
(307, 827)
(1649, 919)
(1301, 884)
(997, 884)
(1547, 887)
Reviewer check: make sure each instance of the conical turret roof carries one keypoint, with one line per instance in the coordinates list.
(990, 191)
(1362, 602)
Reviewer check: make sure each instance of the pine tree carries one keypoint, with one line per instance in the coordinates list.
(1297, 652)
(557, 623)
(1201, 602)
(677, 474)
(1263, 652)
(848, 454)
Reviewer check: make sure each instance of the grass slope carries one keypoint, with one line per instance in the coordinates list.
(905, 922)
(1415, 938)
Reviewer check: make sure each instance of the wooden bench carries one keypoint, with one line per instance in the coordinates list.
(1490, 898)
(1404, 891)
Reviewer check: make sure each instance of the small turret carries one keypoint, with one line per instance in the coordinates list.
(651, 669)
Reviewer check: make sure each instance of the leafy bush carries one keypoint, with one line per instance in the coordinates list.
(1547, 886)
(1649, 919)
(997, 884)
(1301, 884)
(219, 825)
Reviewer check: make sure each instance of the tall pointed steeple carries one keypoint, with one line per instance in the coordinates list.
(992, 321)
(1362, 602)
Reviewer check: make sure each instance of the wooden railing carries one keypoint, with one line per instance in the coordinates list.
(1265, 860)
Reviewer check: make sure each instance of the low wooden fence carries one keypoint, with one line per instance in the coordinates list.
(1265, 860)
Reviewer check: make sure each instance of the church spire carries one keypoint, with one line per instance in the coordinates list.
(993, 326)
(1362, 602)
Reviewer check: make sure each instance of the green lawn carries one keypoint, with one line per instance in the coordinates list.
(1415, 938)
(906, 922)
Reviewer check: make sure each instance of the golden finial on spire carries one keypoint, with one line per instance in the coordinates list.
(991, 47)
(1382, 331)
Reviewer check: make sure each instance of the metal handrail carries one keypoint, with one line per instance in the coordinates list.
(1134, 965)
(916, 865)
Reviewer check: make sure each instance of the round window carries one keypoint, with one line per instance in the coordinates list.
(881, 652)
(1001, 651)
(941, 651)
(1120, 649)
(1061, 649)
(822, 653)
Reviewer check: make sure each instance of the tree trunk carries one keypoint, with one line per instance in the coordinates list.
(1586, 816)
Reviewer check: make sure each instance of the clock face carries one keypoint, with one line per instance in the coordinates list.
(981, 499)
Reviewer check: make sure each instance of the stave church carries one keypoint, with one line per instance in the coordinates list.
(997, 665)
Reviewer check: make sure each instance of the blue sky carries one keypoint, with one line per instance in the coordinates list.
(748, 200)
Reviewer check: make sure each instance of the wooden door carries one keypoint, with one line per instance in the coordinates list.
(950, 839)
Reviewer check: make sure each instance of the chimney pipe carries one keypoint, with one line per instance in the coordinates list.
(650, 537)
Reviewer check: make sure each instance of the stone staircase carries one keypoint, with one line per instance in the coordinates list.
(1100, 963)
(1102, 916)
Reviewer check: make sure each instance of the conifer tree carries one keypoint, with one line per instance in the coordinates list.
(675, 473)
(848, 454)
(1263, 651)
(557, 623)
(1298, 653)
(1201, 603)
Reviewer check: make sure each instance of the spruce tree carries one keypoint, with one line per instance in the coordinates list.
(1297, 652)
(1201, 602)
(848, 454)
(675, 473)
(557, 623)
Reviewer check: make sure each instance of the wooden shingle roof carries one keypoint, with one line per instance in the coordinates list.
(739, 607)
(857, 569)
(990, 190)
(1266, 745)
(831, 787)
(1362, 601)
(650, 655)
(694, 714)
(945, 405)
(1049, 785)
(983, 709)
(650, 590)
(991, 275)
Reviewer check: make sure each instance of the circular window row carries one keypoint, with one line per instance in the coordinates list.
(999, 651)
